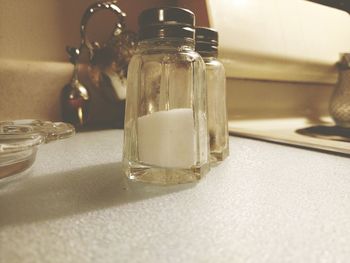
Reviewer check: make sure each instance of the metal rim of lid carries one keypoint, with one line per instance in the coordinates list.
(166, 16)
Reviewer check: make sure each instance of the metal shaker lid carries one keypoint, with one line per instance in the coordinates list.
(206, 39)
(166, 22)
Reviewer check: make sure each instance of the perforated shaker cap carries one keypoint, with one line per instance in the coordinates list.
(166, 22)
(206, 39)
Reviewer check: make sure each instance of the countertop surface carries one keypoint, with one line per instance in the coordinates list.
(265, 203)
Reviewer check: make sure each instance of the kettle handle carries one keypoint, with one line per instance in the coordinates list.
(91, 10)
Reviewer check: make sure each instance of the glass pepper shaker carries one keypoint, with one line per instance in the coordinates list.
(339, 106)
(165, 133)
(207, 47)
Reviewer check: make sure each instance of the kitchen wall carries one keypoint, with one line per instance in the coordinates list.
(33, 62)
(291, 42)
(39, 30)
(280, 55)
(288, 40)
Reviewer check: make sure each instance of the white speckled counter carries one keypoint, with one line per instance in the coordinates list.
(266, 203)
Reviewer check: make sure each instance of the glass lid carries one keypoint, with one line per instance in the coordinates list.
(19, 140)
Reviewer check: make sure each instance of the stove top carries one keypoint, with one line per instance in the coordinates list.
(323, 135)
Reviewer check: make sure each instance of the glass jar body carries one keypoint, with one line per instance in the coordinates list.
(165, 133)
(217, 111)
(339, 106)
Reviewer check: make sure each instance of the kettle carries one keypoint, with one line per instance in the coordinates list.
(101, 71)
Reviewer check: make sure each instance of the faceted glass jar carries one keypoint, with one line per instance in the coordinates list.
(217, 112)
(339, 107)
(165, 134)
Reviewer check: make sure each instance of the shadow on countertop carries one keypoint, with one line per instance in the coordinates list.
(59, 195)
(326, 132)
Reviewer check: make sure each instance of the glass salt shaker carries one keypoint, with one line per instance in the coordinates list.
(207, 47)
(165, 134)
(339, 106)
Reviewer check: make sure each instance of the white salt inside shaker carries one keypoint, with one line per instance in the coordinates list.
(167, 138)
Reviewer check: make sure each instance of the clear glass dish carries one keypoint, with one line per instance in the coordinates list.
(19, 141)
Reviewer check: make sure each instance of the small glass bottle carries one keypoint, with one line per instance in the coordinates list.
(207, 47)
(165, 133)
(339, 106)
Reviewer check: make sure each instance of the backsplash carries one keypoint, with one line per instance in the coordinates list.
(32, 89)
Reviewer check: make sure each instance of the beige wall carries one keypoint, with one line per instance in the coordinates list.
(33, 62)
(39, 30)
(254, 99)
